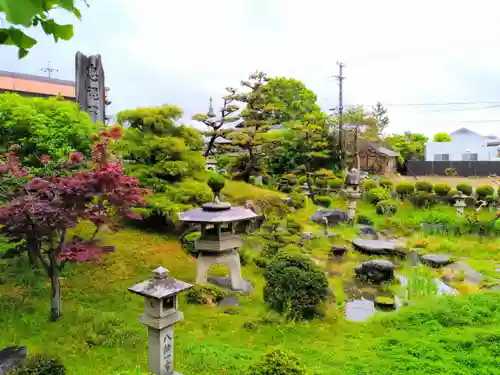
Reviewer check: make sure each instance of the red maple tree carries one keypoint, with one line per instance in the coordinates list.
(41, 209)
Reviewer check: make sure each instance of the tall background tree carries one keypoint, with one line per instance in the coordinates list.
(166, 157)
(411, 146)
(218, 126)
(381, 117)
(33, 14)
(441, 137)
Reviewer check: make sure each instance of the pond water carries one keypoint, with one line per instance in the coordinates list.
(360, 304)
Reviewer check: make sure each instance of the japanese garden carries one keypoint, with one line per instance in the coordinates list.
(267, 235)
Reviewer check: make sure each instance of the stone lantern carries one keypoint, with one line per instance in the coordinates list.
(221, 226)
(460, 203)
(160, 314)
(352, 191)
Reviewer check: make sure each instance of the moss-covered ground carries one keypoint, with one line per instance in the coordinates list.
(100, 334)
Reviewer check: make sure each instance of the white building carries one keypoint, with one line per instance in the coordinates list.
(465, 145)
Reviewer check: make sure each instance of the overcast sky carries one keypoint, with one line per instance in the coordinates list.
(396, 52)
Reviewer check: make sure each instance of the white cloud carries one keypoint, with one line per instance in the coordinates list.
(183, 51)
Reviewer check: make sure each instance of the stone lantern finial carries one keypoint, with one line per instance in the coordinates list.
(160, 273)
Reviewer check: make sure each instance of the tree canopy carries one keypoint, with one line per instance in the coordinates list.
(441, 137)
(33, 14)
(381, 117)
(411, 146)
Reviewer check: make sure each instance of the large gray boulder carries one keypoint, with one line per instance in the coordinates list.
(376, 271)
(11, 357)
(436, 260)
(460, 269)
(334, 217)
(378, 247)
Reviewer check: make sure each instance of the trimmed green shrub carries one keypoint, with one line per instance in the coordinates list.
(188, 242)
(205, 294)
(292, 225)
(298, 200)
(289, 178)
(386, 184)
(323, 201)
(422, 199)
(453, 191)
(369, 184)
(376, 195)
(465, 188)
(277, 362)
(424, 186)
(216, 182)
(491, 200)
(335, 183)
(387, 207)
(442, 189)
(320, 182)
(405, 188)
(302, 180)
(450, 172)
(294, 286)
(484, 190)
(40, 365)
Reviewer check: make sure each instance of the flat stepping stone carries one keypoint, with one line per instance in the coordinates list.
(378, 247)
(436, 260)
(338, 251)
(368, 231)
(334, 217)
(471, 276)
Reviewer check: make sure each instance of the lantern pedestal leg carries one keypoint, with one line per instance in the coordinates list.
(351, 210)
(229, 258)
(161, 351)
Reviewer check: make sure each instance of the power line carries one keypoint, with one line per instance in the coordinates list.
(49, 70)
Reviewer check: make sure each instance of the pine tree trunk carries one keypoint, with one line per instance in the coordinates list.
(55, 288)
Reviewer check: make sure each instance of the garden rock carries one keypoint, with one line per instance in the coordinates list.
(229, 301)
(11, 357)
(378, 247)
(436, 260)
(225, 283)
(288, 201)
(471, 276)
(333, 216)
(376, 271)
(307, 236)
(338, 251)
(368, 231)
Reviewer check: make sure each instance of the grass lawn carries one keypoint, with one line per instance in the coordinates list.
(100, 334)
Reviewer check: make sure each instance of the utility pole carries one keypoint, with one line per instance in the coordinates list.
(340, 78)
(49, 70)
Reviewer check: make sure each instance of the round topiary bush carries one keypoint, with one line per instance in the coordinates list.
(450, 172)
(216, 182)
(277, 362)
(465, 188)
(405, 188)
(40, 365)
(386, 207)
(484, 190)
(335, 184)
(422, 199)
(386, 184)
(294, 286)
(188, 242)
(442, 189)
(369, 184)
(424, 186)
(453, 191)
(298, 200)
(320, 182)
(323, 201)
(205, 294)
(376, 195)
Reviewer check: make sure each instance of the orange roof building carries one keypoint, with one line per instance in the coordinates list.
(31, 85)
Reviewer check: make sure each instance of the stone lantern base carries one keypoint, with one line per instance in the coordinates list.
(229, 258)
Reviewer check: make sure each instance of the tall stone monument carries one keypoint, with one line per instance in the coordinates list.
(90, 89)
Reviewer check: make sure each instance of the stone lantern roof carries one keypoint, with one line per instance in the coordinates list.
(214, 213)
(160, 286)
